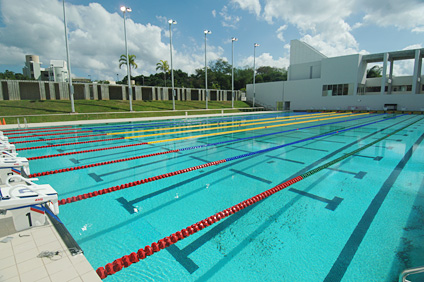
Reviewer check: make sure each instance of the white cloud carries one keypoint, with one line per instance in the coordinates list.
(229, 20)
(252, 5)
(214, 13)
(96, 39)
(279, 32)
(265, 59)
(406, 14)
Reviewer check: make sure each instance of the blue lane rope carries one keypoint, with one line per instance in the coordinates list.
(304, 140)
(269, 134)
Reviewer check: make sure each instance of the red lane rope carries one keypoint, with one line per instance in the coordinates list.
(99, 164)
(134, 183)
(67, 144)
(60, 138)
(42, 135)
(85, 151)
(127, 260)
(33, 129)
(40, 131)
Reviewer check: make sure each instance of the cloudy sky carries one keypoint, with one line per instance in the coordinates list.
(333, 27)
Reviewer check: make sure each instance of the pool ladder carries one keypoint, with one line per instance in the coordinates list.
(407, 272)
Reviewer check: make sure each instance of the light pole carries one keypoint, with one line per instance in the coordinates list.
(232, 71)
(124, 10)
(206, 70)
(254, 72)
(171, 22)
(71, 88)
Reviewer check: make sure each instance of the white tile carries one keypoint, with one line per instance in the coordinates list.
(7, 262)
(9, 273)
(28, 245)
(91, 277)
(29, 265)
(64, 275)
(26, 255)
(60, 265)
(21, 238)
(78, 279)
(5, 250)
(83, 267)
(34, 275)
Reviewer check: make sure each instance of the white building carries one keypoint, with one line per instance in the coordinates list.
(57, 70)
(32, 68)
(320, 83)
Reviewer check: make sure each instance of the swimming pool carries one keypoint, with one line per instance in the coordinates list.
(359, 219)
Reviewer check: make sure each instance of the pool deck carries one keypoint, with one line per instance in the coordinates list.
(20, 251)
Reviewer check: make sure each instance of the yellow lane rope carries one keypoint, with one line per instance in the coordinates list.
(214, 128)
(220, 123)
(244, 130)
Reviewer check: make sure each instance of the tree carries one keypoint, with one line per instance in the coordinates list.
(164, 67)
(123, 61)
(375, 71)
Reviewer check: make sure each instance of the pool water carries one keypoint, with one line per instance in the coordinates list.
(357, 220)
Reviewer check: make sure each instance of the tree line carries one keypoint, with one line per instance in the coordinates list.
(219, 76)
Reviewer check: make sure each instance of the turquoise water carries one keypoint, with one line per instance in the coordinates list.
(358, 220)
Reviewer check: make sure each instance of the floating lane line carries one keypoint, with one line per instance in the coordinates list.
(127, 260)
(38, 174)
(121, 138)
(145, 143)
(220, 123)
(104, 134)
(154, 178)
(51, 134)
(239, 130)
(232, 126)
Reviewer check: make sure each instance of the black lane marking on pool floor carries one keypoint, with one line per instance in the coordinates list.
(307, 148)
(331, 204)
(345, 257)
(283, 159)
(358, 175)
(385, 147)
(376, 158)
(251, 176)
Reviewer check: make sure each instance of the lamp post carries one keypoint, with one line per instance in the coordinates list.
(206, 70)
(232, 71)
(71, 88)
(171, 22)
(124, 10)
(254, 72)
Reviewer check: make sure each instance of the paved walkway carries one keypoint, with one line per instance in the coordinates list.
(21, 256)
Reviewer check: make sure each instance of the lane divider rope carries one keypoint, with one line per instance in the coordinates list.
(158, 177)
(274, 119)
(68, 144)
(180, 138)
(60, 138)
(125, 261)
(182, 149)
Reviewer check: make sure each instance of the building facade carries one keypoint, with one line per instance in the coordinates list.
(57, 70)
(316, 82)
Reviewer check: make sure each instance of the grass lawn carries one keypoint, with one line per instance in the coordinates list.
(59, 110)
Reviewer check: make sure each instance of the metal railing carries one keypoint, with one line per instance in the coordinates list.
(411, 271)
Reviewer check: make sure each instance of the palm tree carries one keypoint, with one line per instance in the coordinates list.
(163, 66)
(375, 71)
(123, 61)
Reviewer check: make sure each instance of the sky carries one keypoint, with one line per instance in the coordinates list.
(96, 32)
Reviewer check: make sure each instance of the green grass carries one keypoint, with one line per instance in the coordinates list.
(59, 110)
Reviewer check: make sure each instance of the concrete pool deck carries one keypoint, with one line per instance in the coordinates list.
(21, 256)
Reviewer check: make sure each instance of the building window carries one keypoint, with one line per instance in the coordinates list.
(335, 90)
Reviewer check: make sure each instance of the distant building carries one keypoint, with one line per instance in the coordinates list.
(340, 83)
(32, 68)
(57, 70)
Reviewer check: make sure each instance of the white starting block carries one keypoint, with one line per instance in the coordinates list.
(7, 147)
(3, 138)
(25, 199)
(10, 165)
